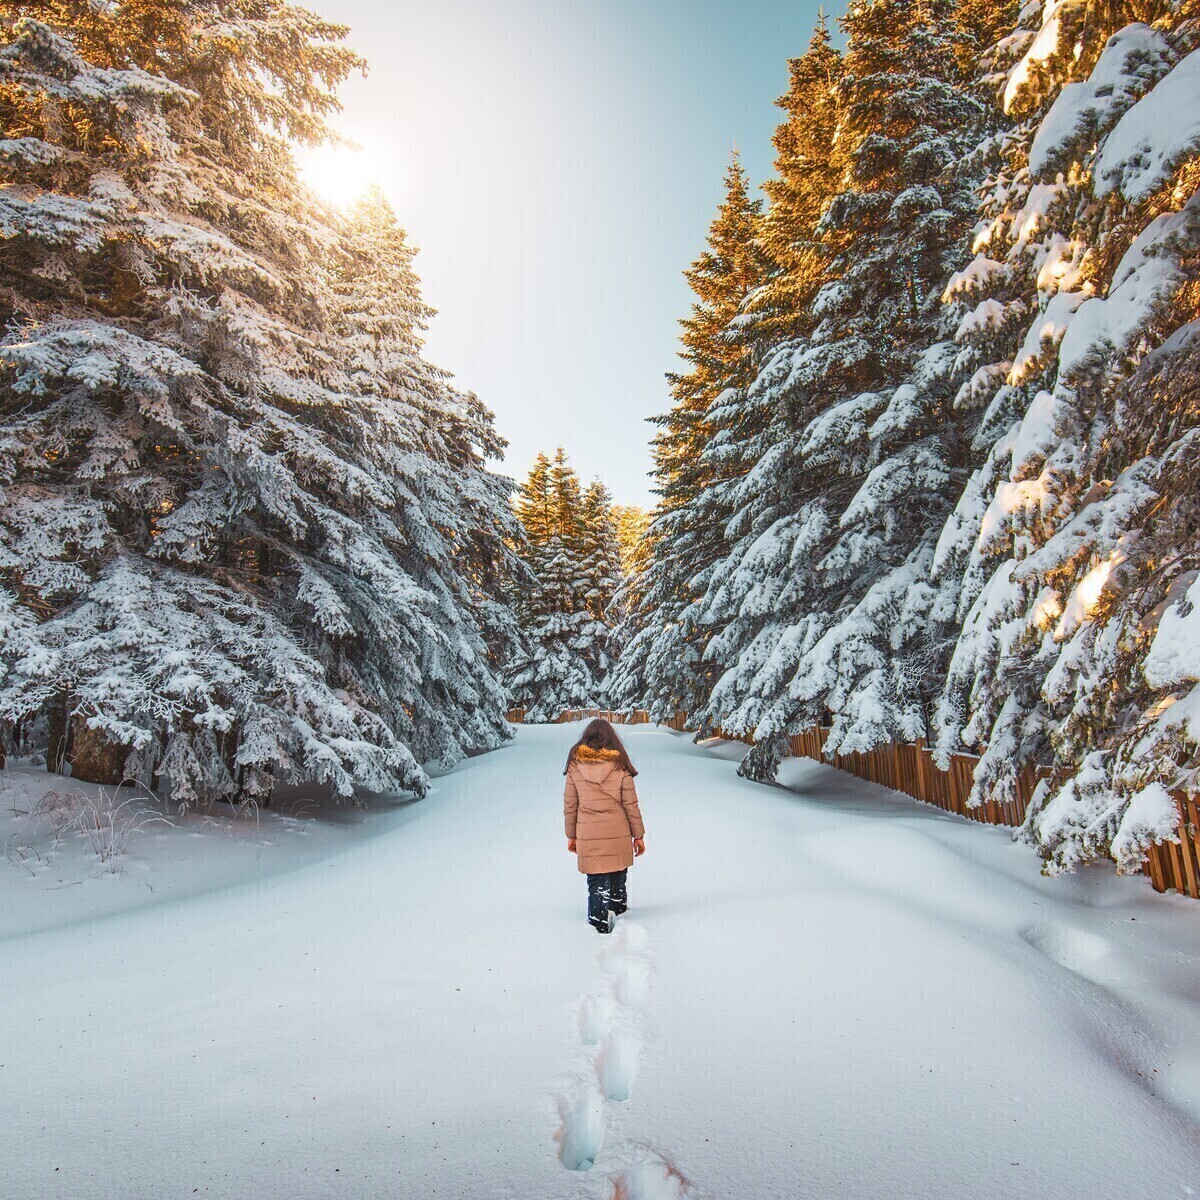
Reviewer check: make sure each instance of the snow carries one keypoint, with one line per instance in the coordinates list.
(1154, 136)
(975, 276)
(1031, 219)
(1036, 436)
(1051, 325)
(1147, 275)
(1174, 655)
(1081, 108)
(820, 990)
(1151, 817)
(1041, 48)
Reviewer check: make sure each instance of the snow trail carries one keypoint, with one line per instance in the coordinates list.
(820, 991)
(608, 1017)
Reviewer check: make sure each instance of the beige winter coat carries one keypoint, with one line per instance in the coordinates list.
(601, 811)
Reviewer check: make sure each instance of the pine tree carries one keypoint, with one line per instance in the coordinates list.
(913, 117)
(212, 560)
(568, 613)
(453, 517)
(600, 553)
(633, 530)
(663, 665)
(1080, 534)
(823, 597)
(807, 176)
(771, 507)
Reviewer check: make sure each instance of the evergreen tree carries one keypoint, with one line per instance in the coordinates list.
(823, 598)
(230, 557)
(773, 509)
(633, 531)
(806, 177)
(1078, 534)
(913, 118)
(600, 565)
(568, 612)
(663, 665)
(453, 515)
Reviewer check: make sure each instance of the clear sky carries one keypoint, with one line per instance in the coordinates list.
(558, 163)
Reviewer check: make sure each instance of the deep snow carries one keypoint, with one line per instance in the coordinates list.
(828, 991)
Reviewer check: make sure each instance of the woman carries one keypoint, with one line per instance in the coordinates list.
(604, 823)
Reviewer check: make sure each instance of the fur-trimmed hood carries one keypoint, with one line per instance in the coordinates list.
(586, 754)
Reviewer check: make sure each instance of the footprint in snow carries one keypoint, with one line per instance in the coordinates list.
(653, 1179)
(632, 982)
(627, 964)
(596, 1017)
(617, 1064)
(581, 1133)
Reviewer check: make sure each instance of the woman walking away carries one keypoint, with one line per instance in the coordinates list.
(604, 823)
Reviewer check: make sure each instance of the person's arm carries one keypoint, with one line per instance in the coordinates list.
(630, 802)
(570, 807)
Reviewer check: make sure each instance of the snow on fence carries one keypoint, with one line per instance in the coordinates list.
(910, 769)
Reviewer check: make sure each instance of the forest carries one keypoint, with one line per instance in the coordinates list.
(926, 473)
(928, 470)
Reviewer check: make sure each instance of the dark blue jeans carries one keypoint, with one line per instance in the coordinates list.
(605, 891)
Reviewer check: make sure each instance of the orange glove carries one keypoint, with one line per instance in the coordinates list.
(639, 847)
(571, 845)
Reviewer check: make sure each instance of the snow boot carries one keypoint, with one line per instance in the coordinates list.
(619, 907)
(607, 924)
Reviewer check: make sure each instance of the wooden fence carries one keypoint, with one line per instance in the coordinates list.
(1172, 865)
(910, 769)
(613, 716)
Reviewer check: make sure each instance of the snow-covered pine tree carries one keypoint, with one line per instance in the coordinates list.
(777, 507)
(912, 115)
(568, 610)
(632, 524)
(626, 682)
(600, 551)
(1077, 651)
(205, 537)
(453, 516)
(806, 177)
(662, 667)
(992, 295)
(825, 596)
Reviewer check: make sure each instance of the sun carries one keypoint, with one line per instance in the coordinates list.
(338, 174)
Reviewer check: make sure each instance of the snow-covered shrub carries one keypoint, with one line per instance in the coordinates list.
(105, 821)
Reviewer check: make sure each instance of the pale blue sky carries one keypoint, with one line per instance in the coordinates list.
(558, 163)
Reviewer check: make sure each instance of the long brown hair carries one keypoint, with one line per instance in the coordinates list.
(600, 735)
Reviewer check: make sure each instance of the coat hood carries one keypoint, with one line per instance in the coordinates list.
(586, 754)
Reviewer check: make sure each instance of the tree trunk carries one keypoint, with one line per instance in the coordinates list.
(93, 758)
(59, 743)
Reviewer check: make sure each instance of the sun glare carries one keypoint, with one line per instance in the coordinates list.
(338, 174)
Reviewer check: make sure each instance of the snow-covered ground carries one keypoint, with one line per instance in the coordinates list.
(828, 991)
